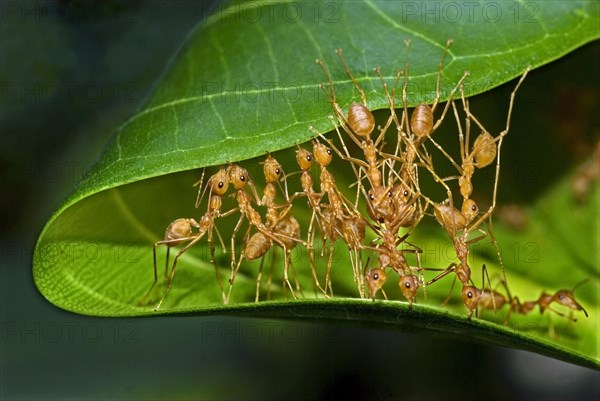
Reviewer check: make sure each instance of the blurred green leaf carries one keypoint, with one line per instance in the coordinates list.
(246, 83)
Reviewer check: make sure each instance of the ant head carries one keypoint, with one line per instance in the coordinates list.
(469, 209)
(219, 182)
(409, 285)
(421, 120)
(322, 153)
(402, 193)
(380, 203)
(289, 228)
(484, 150)
(238, 175)
(304, 158)
(566, 298)
(272, 169)
(471, 296)
(375, 280)
(379, 194)
(360, 119)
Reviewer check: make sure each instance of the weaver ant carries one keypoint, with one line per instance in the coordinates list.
(182, 230)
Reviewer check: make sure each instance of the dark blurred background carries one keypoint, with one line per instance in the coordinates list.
(71, 73)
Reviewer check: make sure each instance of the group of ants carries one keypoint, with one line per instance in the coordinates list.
(387, 181)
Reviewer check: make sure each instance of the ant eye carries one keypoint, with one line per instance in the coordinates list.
(407, 284)
(470, 294)
(372, 197)
(405, 193)
(376, 276)
(474, 208)
(242, 178)
(309, 158)
(220, 185)
(277, 171)
(390, 194)
(329, 151)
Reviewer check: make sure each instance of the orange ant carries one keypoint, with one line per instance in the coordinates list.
(460, 223)
(284, 224)
(413, 133)
(305, 160)
(562, 297)
(383, 202)
(359, 124)
(239, 178)
(389, 254)
(392, 257)
(181, 231)
(337, 217)
(487, 298)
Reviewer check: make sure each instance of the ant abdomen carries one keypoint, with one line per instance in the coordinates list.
(484, 149)
(449, 217)
(179, 229)
(289, 230)
(256, 246)
(360, 119)
(492, 300)
(332, 225)
(353, 231)
(421, 120)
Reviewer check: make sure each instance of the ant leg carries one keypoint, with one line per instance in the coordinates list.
(498, 253)
(199, 184)
(311, 253)
(293, 269)
(421, 275)
(236, 267)
(214, 262)
(259, 277)
(330, 250)
(444, 273)
(169, 244)
(340, 55)
(142, 301)
(233, 235)
(439, 75)
(194, 240)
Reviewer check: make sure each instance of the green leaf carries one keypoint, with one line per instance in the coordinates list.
(245, 83)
